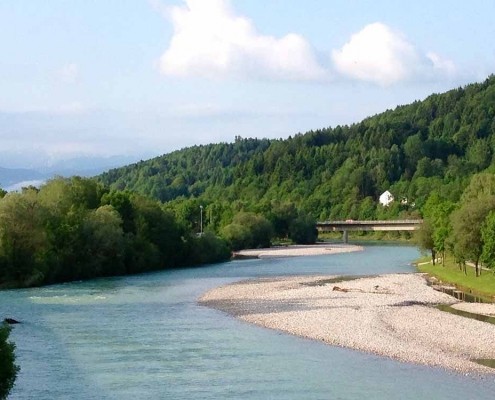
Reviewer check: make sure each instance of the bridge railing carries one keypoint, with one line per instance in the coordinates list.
(380, 225)
(371, 222)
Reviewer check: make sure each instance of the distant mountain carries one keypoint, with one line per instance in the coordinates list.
(434, 145)
(9, 177)
(87, 165)
(16, 178)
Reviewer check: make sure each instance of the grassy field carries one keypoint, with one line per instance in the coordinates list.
(450, 273)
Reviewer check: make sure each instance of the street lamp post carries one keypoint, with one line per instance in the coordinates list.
(201, 220)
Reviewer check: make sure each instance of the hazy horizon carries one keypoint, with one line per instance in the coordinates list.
(141, 79)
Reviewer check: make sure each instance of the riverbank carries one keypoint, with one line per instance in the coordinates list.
(298, 250)
(389, 315)
(449, 273)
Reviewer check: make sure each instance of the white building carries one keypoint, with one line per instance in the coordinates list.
(386, 198)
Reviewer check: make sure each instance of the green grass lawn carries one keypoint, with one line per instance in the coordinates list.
(450, 273)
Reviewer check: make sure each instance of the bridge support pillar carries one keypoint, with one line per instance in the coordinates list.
(345, 237)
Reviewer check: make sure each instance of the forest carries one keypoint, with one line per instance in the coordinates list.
(193, 206)
(428, 149)
(335, 173)
(75, 228)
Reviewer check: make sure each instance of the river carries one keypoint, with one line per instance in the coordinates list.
(145, 337)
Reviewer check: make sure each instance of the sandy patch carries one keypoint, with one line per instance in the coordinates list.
(299, 250)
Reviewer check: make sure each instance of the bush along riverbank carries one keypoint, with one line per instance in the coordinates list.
(72, 229)
(8, 369)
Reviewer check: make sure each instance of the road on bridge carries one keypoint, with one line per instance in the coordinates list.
(351, 225)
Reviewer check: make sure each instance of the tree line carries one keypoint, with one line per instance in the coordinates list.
(436, 156)
(75, 228)
(249, 190)
(465, 229)
(436, 144)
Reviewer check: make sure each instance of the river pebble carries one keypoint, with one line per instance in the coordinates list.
(390, 315)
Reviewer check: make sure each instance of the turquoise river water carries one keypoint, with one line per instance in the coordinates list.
(145, 337)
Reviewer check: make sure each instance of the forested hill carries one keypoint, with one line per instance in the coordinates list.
(431, 145)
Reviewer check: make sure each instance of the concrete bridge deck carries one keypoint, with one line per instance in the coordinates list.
(351, 225)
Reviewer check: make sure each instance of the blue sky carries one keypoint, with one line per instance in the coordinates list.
(145, 77)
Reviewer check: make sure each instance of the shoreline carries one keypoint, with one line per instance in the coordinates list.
(297, 251)
(391, 315)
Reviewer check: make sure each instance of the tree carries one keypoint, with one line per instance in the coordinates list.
(425, 239)
(22, 238)
(466, 228)
(188, 213)
(436, 213)
(248, 230)
(281, 216)
(413, 151)
(488, 237)
(61, 194)
(206, 249)
(8, 369)
(122, 203)
(479, 154)
(158, 238)
(480, 185)
(367, 209)
(238, 236)
(303, 230)
(104, 242)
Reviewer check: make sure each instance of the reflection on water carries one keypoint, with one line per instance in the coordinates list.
(145, 337)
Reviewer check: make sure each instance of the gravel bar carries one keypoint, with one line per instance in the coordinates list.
(389, 315)
(299, 250)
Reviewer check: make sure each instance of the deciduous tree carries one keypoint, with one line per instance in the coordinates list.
(8, 369)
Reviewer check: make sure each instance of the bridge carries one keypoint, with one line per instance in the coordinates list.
(351, 225)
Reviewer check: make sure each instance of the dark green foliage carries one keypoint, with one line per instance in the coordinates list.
(467, 222)
(435, 156)
(302, 230)
(23, 238)
(122, 202)
(239, 237)
(281, 216)
(248, 230)
(466, 229)
(488, 238)
(207, 248)
(332, 173)
(424, 238)
(74, 229)
(8, 369)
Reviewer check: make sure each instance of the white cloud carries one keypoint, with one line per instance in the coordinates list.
(210, 41)
(380, 55)
(442, 65)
